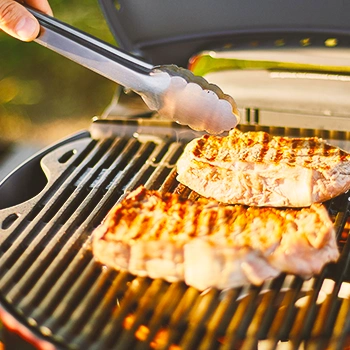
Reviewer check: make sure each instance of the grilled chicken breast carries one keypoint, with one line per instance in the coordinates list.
(257, 169)
(208, 244)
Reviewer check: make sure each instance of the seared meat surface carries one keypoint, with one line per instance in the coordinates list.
(257, 169)
(208, 244)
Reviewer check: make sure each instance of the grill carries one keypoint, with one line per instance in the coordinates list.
(52, 285)
(52, 291)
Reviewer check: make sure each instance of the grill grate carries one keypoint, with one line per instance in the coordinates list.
(49, 279)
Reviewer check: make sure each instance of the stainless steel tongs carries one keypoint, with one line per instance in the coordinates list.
(176, 93)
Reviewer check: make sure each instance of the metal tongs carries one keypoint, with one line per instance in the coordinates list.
(176, 93)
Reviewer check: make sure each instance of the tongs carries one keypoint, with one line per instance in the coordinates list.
(174, 92)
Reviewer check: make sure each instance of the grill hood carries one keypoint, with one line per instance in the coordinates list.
(171, 32)
(266, 55)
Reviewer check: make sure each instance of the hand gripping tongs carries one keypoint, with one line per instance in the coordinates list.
(176, 93)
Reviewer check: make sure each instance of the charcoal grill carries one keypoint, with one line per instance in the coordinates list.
(51, 283)
(56, 296)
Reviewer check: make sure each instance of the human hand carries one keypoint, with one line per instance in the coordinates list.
(16, 21)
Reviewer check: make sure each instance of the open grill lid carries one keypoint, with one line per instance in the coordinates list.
(264, 54)
(50, 282)
(165, 32)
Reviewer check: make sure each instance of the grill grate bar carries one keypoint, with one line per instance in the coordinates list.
(48, 273)
(146, 304)
(284, 317)
(24, 240)
(48, 249)
(46, 279)
(342, 327)
(179, 319)
(113, 329)
(165, 168)
(89, 301)
(162, 314)
(56, 292)
(102, 313)
(62, 178)
(217, 325)
(47, 242)
(329, 308)
(306, 314)
(326, 316)
(237, 327)
(152, 174)
(198, 318)
(343, 265)
(61, 314)
(264, 314)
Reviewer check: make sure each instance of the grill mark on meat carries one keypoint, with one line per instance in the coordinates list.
(255, 168)
(327, 149)
(264, 147)
(286, 149)
(145, 224)
(294, 151)
(213, 217)
(201, 144)
(222, 220)
(279, 155)
(250, 142)
(172, 222)
(181, 210)
(203, 227)
(191, 214)
(243, 155)
(343, 155)
(158, 228)
(311, 147)
(221, 241)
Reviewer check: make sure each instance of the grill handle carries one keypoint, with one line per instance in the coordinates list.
(176, 93)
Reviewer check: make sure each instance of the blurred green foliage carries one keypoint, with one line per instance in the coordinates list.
(38, 86)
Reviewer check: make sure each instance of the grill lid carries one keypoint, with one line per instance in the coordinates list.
(166, 32)
(251, 33)
(51, 283)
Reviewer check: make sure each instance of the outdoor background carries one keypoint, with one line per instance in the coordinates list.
(45, 97)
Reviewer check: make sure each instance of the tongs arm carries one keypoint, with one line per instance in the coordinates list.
(90, 52)
(172, 91)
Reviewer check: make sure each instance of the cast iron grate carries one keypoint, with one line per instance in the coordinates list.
(50, 281)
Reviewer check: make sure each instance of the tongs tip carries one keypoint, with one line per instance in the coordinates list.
(191, 100)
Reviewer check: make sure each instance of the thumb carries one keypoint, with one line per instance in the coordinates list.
(16, 21)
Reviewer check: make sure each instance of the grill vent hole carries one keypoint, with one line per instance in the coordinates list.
(68, 155)
(7, 223)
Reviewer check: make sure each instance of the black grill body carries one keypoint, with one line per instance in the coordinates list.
(51, 284)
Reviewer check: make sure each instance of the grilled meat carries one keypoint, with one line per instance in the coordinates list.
(257, 169)
(208, 244)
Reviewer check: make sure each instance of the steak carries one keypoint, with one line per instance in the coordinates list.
(257, 169)
(208, 244)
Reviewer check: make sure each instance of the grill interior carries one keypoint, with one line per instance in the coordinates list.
(51, 283)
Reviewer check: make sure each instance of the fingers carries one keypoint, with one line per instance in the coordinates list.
(16, 21)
